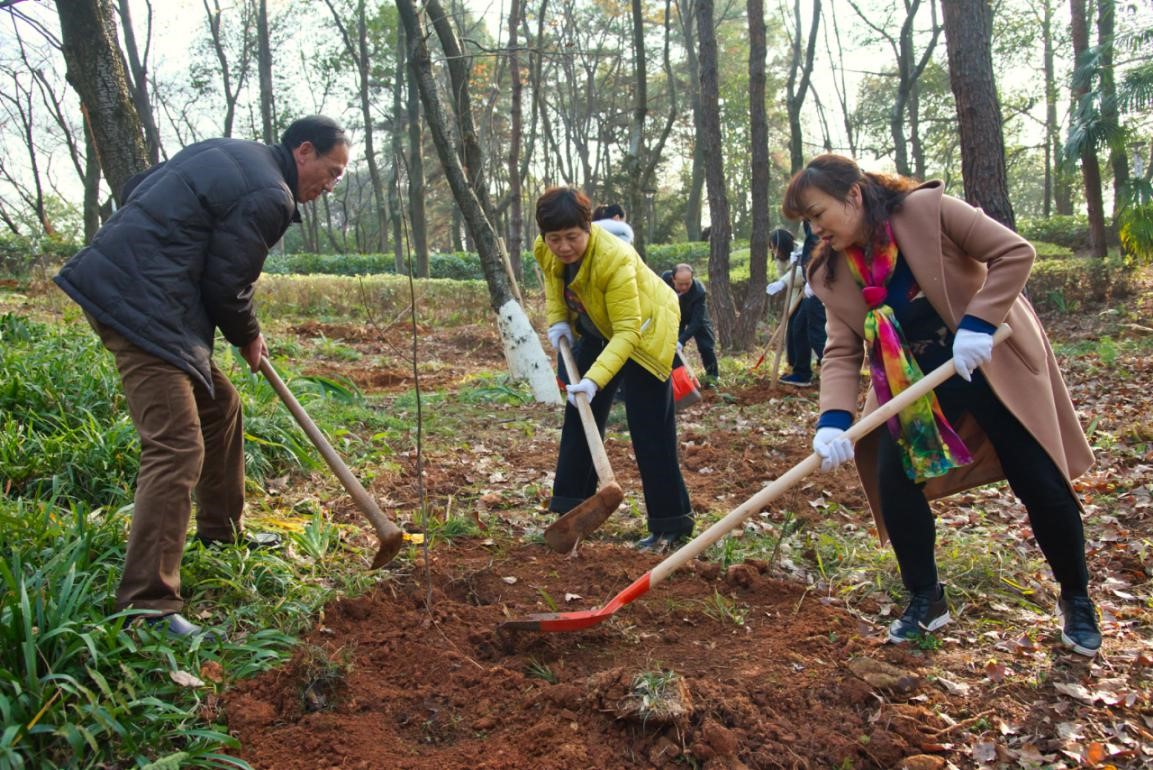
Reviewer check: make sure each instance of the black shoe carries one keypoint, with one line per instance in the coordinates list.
(253, 541)
(662, 541)
(176, 626)
(796, 379)
(926, 612)
(1079, 629)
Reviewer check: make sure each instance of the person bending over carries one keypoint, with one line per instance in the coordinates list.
(917, 277)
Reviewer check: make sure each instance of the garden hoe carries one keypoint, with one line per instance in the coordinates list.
(564, 533)
(575, 621)
(391, 536)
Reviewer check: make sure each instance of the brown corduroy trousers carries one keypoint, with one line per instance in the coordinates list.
(190, 444)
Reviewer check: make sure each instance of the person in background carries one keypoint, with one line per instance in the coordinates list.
(805, 334)
(622, 320)
(695, 323)
(917, 278)
(174, 264)
(612, 218)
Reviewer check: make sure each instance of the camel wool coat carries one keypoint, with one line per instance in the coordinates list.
(965, 264)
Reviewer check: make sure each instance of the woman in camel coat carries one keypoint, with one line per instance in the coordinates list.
(917, 277)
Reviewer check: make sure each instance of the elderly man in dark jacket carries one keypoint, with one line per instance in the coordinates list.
(695, 323)
(176, 262)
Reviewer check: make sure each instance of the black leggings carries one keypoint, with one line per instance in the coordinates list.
(653, 429)
(1038, 483)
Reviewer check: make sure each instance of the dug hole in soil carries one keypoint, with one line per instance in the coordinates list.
(711, 669)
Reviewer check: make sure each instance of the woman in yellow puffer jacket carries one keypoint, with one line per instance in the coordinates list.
(622, 321)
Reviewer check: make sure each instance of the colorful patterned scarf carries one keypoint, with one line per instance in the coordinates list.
(929, 445)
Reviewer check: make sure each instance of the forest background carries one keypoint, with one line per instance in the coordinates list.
(689, 112)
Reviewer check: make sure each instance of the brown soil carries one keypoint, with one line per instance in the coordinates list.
(428, 681)
(765, 673)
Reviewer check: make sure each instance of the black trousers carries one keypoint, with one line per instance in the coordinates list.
(653, 429)
(707, 347)
(804, 335)
(1035, 479)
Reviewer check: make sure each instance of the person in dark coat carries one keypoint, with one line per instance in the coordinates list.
(805, 334)
(695, 323)
(176, 262)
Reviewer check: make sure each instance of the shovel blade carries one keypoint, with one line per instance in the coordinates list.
(584, 519)
(556, 621)
(389, 547)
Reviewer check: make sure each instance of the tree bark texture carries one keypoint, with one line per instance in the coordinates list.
(968, 31)
(754, 304)
(95, 68)
(797, 87)
(416, 211)
(720, 232)
(264, 73)
(138, 67)
(516, 121)
(480, 228)
(1090, 166)
(1118, 157)
(356, 46)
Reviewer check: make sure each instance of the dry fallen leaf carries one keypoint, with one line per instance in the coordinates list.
(185, 679)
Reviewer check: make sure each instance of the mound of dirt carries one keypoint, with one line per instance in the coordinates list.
(713, 668)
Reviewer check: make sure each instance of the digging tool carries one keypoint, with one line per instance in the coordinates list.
(787, 309)
(575, 621)
(795, 297)
(391, 536)
(564, 533)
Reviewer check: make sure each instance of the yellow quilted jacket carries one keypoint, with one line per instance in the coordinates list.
(629, 304)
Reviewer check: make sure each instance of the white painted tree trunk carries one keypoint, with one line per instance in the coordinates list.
(526, 358)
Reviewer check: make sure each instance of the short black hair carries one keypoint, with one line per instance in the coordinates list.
(323, 132)
(561, 208)
(782, 242)
(610, 211)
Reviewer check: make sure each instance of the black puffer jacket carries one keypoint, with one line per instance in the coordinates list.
(180, 257)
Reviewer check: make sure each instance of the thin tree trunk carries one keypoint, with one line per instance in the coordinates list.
(96, 70)
(398, 117)
(522, 347)
(356, 46)
(516, 208)
(1090, 166)
(968, 35)
(694, 195)
(754, 304)
(720, 292)
(636, 147)
(797, 87)
(264, 72)
(138, 67)
(91, 185)
(1118, 158)
(416, 211)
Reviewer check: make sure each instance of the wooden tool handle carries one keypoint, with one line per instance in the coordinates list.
(757, 502)
(384, 527)
(588, 422)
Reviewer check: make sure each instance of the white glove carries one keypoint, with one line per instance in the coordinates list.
(970, 351)
(776, 287)
(808, 290)
(586, 386)
(680, 348)
(833, 447)
(795, 257)
(558, 330)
